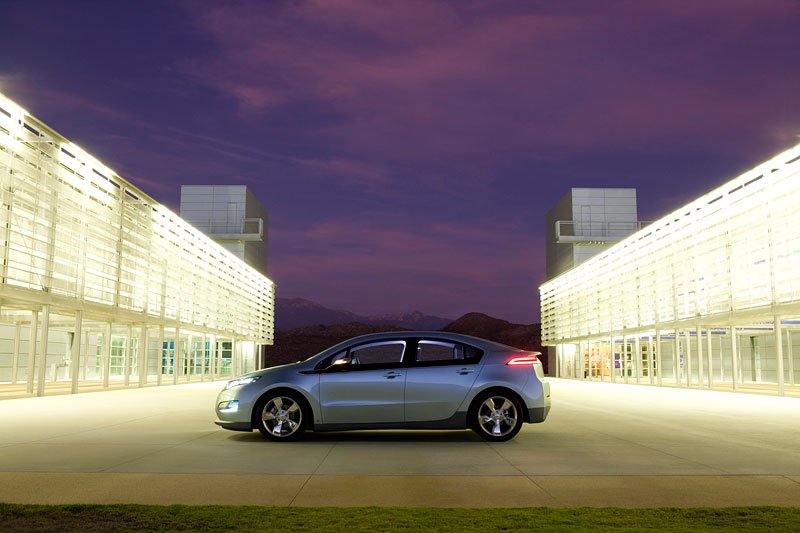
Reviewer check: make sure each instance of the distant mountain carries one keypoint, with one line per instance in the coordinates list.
(525, 337)
(301, 343)
(298, 312)
(295, 344)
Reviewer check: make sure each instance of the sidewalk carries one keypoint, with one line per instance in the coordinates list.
(412, 491)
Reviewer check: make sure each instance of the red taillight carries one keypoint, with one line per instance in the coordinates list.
(521, 360)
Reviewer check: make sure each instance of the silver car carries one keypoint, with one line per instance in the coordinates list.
(412, 380)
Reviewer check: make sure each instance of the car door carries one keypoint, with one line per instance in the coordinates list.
(439, 380)
(367, 388)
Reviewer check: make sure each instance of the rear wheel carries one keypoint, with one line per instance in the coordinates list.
(496, 416)
(281, 416)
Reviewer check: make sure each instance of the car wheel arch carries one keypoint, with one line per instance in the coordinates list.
(282, 389)
(497, 389)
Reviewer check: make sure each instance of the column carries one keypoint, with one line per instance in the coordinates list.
(739, 357)
(85, 372)
(637, 363)
(791, 356)
(43, 342)
(589, 357)
(236, 355)
(32, 340)
(676, 369)
(699, 333)
(143, 349)
(710, 350)
(212, 357)
(191, 357)
(203, 359)
(688, 361)
(594, 349)
(624, 358)
(159, 375)
(613, 361)
(734, 358)
(128, 355)
(15, 362)
(559, 370)
(779, 354)
(177, 357)
(75, 358)
(658, 353)
(650, 358)
(107, 355)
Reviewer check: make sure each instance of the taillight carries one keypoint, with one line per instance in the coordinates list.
(521, 360)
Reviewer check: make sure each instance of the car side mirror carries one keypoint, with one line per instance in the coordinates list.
(338, 365)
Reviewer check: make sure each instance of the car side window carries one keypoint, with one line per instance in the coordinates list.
(428, 351)
(379, 353)
(442, 352)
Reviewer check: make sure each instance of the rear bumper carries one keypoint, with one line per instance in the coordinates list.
(538, 414)
(234, 426)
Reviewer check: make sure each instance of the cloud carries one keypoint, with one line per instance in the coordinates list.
(427, 80)
(443, 268)
(25, 89)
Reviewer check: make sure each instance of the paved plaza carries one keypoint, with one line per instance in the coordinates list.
(603, 445)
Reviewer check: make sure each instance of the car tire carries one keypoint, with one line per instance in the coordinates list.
(496, 416)
(281, 416)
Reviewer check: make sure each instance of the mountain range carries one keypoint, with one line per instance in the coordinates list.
(297, 343)
(293, 313)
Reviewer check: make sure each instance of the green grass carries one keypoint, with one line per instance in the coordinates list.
(228, 518)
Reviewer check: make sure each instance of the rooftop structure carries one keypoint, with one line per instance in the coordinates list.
(231, 215)
(585, 222)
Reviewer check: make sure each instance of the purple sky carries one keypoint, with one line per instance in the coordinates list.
(408, 151)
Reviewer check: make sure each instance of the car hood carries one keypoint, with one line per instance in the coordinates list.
(280, 369)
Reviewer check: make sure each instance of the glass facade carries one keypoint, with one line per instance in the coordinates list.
(86, 255)
(707, 296)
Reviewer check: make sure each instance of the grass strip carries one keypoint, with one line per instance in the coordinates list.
(15, 517)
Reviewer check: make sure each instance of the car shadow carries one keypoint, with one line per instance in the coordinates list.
(367, 436)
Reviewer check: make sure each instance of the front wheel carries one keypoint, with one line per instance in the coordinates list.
(497, 416)
(281, 416)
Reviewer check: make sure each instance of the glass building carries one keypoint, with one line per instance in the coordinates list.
(708, 296)
(104, 287)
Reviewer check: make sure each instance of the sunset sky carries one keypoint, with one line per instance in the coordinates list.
(407, 151)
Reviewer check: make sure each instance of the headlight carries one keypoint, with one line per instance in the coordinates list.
(241, 381)
(228, 407)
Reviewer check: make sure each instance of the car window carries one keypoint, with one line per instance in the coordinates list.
(378, 353)
(436, 351)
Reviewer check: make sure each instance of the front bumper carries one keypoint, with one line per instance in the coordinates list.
(234, 426)
(238, 419)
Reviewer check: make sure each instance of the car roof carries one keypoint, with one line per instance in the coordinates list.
(484, 344)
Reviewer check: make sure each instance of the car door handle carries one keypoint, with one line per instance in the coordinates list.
(392, 375)
(465, 371)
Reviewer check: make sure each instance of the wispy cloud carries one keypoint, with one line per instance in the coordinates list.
(443, 268)
(421, 80)
(24, 88)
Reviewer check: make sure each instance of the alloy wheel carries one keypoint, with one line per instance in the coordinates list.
(497, 416)
(282, 417)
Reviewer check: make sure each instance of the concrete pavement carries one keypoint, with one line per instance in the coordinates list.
(603, 445)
